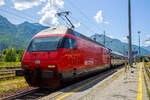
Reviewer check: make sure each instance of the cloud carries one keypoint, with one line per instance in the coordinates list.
(111, 36)
(77, 25)
(124, 39)
(49, 11)
(51, 5)
(99, 17)
(2, 2)
(147, 43)
(25, 4)
(49, 18)
(106, 22)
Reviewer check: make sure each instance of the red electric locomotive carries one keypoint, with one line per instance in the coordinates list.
(58, 54)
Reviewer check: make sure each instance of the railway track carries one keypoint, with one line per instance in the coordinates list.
(8, 77)
(8, 72)
(29, 95)
(17, 67)
(40, 93)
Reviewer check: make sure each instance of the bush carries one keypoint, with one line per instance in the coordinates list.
(20, 53)
(10, 55)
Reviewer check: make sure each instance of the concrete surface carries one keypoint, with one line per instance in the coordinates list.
(119, 86)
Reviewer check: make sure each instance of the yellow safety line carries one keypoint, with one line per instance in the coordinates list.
(69, 93)
(140, 90)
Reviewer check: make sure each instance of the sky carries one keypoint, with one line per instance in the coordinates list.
(88, 16)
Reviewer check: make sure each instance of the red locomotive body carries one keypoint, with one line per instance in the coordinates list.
(58, 54)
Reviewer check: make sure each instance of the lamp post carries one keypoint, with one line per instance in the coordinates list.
(134, 56)
(129, 36)
(104, 39)
(124, 53)
(124, 50)
(139, 43)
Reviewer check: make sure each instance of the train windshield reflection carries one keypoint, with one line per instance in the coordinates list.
(44, 44)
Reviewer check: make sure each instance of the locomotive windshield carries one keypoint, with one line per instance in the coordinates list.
(44, 44)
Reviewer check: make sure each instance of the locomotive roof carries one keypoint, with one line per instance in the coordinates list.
(54, 30)
(117, 53)
(62, 30)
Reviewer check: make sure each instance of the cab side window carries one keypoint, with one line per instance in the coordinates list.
(74, 44)
(65, 43)
(69, 43)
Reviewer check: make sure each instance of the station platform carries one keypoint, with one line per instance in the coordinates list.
(120, 85)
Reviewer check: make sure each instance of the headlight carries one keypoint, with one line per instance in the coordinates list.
(26, 66)
(51, 66)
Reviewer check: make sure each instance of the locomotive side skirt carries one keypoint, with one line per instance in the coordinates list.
(82, 72)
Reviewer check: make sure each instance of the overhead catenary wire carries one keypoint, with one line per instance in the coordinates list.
(64, 21)
(22, 17)
(33, 19)
(85, 26)
(14, 18)
(83, 14)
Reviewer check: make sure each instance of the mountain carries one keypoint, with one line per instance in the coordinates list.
(6, 26)
(7, 33)
(146, 47)
(17, 35)
(117, 45)
(26, 31)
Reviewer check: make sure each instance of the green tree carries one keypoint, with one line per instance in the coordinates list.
(20, 53)
(10, 55)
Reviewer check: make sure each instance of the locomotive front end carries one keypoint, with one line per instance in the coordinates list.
(40, 62)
